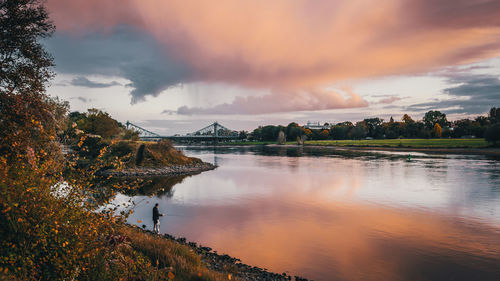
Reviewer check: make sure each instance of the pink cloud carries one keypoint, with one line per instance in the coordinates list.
(283, 101)
(301, 44)
(389, 100)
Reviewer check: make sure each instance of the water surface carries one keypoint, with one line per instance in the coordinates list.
(329, 214)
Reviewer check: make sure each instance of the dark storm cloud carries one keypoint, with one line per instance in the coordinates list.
(473, 94)
(123, 52)
(81, 81)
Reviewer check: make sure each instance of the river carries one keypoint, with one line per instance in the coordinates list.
(334, 214)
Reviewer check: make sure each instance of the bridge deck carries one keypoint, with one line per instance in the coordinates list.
(212, 132)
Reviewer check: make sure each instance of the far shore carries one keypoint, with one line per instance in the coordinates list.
(458, 149)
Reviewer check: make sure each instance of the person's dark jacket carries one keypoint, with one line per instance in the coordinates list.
(156, 214)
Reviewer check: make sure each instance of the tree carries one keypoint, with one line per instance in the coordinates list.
(307, 132)
(492, 134)
(446, 133)
(433, 117)
(482, 120)
(99, 123)
(341, 130)
(25, 65)
(37, 237)
(270, 132)
(374, 127)
(478, 128)
(46, 234)
(292, 131)
(29, 119)
(411, 128)
(257, 134)
(393, 129)
(407, 119)
(462, 127)
(494, 115)
(324, 134)
(436, 131)
(359, 131)
(243, 135)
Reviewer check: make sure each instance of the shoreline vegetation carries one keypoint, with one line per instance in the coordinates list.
(230, 267)
(433, 125)
(451, 146)
(139, 158)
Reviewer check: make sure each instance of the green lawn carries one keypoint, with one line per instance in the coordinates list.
(414, 143)
(254, 143)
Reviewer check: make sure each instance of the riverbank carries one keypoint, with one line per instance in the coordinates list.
(468, 151)
(446, 146)
(408, 143)
(220, 263)
(173, 170)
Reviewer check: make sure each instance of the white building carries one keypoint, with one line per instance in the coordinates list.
(316, 126)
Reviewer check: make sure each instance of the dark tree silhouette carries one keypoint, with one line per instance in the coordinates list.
(492, 134)
(494, 115)
(433, 117)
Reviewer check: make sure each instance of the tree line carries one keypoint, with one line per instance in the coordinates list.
(434, 124)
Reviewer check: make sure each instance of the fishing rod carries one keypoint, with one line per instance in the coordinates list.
(173, 215)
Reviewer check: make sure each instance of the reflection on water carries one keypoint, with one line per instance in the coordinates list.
(157, 186)
(346, 215)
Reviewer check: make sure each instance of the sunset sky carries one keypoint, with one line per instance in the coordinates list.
(176, 66)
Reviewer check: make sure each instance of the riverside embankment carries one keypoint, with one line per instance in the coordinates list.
(224, 263)
(168, 171)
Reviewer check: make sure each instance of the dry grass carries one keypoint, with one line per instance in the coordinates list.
(149, 154)
(163, 153)
(169, 256)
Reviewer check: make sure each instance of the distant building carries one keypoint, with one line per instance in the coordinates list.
(316, 126)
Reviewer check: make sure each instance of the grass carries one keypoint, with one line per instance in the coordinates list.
(412, 143)
(248, 143)
(254, 143)
(149, 154)
(169, 256)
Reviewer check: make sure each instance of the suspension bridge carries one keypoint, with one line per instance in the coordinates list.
(214, 132)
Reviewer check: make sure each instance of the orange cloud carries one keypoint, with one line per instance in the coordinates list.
(301, 44)
(283, 101)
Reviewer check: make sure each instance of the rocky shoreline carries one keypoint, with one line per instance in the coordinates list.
(226, 264)
(174, 170)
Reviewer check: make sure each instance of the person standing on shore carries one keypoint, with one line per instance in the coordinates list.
(156, 219)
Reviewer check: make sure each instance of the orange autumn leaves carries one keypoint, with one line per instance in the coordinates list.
(50, 236)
